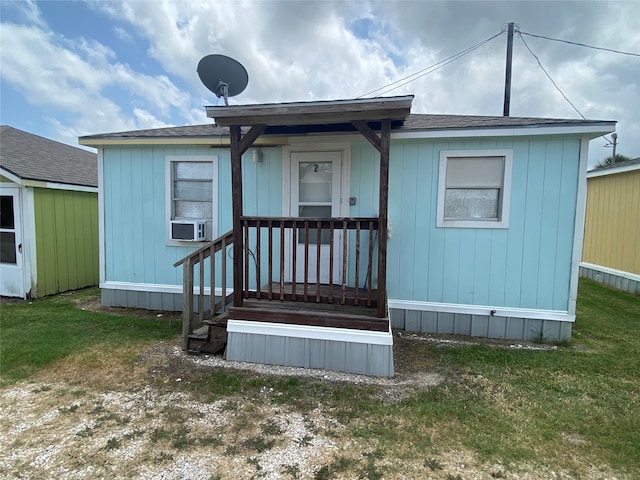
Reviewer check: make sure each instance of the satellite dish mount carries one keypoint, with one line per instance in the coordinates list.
(223, 75)
(223, 91)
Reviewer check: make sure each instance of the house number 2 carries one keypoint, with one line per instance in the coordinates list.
(315, 167)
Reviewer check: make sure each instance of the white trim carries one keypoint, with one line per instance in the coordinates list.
(537, 314)
(496, 132)
(611, 271)
(44, 184)
(29, 241)
(10, 176)
(62, 186)
(578, 229)
(505, 199)
(310, 332)
(167, 196)
(621, 168)
(157, 288)
(101, 225)
(17, 274)
(212, 141)
(523, 131)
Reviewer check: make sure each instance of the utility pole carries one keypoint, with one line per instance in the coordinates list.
(615, 141)
(507, 76)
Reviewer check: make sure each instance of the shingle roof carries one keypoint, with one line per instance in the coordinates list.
(208, 130)
(443, 122)
(31, 157)
(414, 122)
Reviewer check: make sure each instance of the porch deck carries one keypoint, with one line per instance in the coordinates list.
(322, 307)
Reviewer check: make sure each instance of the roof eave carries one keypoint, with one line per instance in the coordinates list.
(310, 113)
(592, 130)
(209, 141)
(43, 183)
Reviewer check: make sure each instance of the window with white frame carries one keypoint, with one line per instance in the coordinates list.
(474, 188)
(191, 206)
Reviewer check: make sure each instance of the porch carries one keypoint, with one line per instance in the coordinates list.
(301, 290)
(288, 315)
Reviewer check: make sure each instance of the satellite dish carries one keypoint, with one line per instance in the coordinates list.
(223, 75)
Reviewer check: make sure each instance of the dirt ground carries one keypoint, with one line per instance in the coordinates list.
(89, 417)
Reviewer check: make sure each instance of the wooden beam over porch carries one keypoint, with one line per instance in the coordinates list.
(313, 113)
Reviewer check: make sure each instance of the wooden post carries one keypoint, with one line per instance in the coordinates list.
(383, 214)
(236, 192)
(187, 301)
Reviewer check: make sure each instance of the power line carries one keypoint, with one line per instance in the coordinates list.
(551, 79)
(580, 44)
(431, 68)
(554, 83)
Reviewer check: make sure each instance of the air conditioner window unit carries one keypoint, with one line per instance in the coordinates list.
(189, 230)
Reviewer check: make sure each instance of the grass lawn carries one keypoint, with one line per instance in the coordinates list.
(569, 409)
(34, 335)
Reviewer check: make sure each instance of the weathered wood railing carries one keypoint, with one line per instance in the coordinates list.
(306, 232)
(192, 318)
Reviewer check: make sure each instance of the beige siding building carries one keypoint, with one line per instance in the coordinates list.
(611, 252)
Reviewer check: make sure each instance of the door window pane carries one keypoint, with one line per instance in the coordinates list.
(314, 212)
(315, 181)
(8, 247)
(6, 212)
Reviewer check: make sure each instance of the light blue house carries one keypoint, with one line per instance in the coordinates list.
(330, 223)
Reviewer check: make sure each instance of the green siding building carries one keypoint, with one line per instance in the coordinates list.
(48, 216)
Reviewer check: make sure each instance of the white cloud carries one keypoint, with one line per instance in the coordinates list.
(80, 80)
(122, 34)
(145, 120)
(29, 10)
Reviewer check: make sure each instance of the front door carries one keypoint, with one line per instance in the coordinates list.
(11, 275)
(316, 179)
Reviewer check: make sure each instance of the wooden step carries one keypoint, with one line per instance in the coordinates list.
(219, 320)
(211, 338)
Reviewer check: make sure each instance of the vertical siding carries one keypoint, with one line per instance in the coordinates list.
(66, 224)
(134, 202)
(612, 226)
(525, 266)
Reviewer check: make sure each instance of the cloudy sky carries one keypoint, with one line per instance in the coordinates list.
(72, 68)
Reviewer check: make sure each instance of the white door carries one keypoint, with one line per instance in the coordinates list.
(316, 179)
(11, 261)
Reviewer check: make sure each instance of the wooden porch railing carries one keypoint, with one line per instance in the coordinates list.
(296, 231)
(192, 318)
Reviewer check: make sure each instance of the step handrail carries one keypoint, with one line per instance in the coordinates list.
(188, 281)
